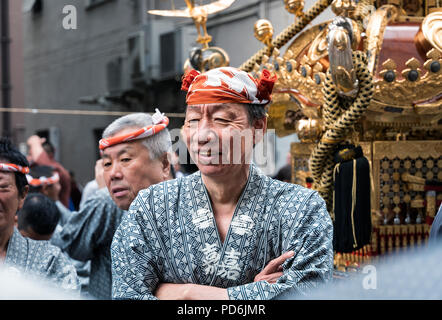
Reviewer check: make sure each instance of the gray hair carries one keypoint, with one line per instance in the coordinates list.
(157, 144)
(256, 111)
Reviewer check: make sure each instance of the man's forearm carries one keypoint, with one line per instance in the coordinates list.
(200, 292)
(171, 291)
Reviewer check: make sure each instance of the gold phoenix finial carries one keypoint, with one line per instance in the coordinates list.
(199, 16)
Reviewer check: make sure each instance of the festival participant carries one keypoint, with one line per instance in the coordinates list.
(18, 253)
(130, 164)
(38, 218)
(46, 180)
(41, 153)
(39, 214)
(226, 231)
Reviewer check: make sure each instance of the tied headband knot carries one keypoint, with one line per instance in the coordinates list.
(11, 167)
(42, 181)
(188, 78)
(227, 85)
(160, 122)
(265, 85)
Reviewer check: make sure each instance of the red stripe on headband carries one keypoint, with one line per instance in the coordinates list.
(161, 123)
(10, 167)
(43, 181)
(227, 85)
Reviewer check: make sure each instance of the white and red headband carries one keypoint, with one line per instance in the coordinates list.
(160, 122)
(43, 181)
(227, 85)
(10, 167)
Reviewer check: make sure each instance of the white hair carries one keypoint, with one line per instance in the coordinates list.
(157, 145)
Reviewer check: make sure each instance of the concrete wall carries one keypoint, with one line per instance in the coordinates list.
(16, 69)
(62, 66)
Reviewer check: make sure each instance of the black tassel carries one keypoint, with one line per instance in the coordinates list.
(351, 199)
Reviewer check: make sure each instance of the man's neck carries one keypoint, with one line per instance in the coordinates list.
(226, 190)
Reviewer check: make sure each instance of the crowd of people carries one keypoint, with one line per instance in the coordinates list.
(143, 229)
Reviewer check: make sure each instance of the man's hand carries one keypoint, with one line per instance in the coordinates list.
(35, 147)
(99, 178)
(273, 270)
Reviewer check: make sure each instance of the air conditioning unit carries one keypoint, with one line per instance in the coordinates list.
(114, 76)
(137, 56)
(169, 50)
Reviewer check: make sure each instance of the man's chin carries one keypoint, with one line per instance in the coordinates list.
(213, 170)
(123, 204)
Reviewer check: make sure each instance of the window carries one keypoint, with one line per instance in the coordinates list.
(34, 6)
(167, 47)
(90, 4)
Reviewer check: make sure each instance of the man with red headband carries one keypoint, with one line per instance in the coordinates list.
(19, 254)
(134, 152)
(227, 231)
(46, 180)
(38, 155)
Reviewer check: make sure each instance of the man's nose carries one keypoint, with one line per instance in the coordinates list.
(205, 133)
(115, 172)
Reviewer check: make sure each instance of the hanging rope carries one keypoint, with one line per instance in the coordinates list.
(339, 119)
(288, 33)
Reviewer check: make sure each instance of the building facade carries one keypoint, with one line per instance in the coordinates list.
(11, 69)
(111, 56)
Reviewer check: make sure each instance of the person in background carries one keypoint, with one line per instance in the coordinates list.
(285, 172)
(37, 155)
(76, 192)
(45, 180)
(93, 185)
(19, 254)
(127, 167)
(38, 218)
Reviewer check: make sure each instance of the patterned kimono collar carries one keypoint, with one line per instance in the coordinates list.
(16, 241)
(243, 226)
(15, 260)
(254, 173)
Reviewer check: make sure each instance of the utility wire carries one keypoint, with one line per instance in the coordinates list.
(81, 112)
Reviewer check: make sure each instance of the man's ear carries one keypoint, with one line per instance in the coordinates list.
(259, 125)
(22, 197)
(165, 166)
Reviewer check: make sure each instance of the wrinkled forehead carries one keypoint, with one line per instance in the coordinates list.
(210, 108)
(7, 177)
(119, 149)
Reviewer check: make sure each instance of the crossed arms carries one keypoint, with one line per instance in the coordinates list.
(171, 291)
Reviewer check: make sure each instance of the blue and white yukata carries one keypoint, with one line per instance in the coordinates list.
(41, 260)
(170, 236)
(88, 236)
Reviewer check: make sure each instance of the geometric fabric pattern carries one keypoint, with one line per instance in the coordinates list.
(88, 236)
(40, 259)
(170, 235)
